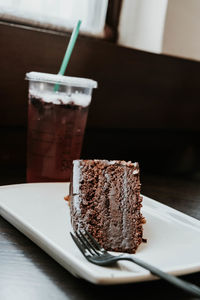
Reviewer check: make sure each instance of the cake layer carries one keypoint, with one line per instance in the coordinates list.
(105, 199)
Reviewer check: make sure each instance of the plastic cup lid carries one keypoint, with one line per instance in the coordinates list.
(60, 79)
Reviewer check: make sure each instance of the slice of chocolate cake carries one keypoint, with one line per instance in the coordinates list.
(105, 199)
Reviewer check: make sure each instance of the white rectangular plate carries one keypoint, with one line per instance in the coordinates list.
(41, 213)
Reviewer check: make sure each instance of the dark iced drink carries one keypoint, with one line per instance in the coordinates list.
(56, 125)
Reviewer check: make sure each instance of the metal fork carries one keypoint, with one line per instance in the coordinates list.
(95, 254)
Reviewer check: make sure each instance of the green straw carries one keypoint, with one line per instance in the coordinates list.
(68, 52)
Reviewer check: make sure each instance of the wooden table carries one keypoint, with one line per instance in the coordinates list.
(26, 272)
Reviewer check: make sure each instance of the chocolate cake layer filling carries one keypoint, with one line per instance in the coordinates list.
(105, 199)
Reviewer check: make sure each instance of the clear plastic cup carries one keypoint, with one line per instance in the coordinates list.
(57, 115)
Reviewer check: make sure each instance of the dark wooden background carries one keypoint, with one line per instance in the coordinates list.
(146, 107)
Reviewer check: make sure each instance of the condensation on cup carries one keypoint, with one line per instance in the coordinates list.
(57, 115)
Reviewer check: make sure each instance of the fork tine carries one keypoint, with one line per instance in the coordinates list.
(94, 242)
(88, 242)
(83, 242)
(78, 244)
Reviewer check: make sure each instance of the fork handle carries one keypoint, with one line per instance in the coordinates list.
(184, 285)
